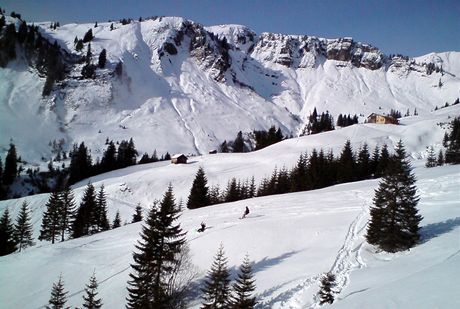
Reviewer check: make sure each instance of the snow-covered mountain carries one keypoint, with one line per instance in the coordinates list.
(187, 88)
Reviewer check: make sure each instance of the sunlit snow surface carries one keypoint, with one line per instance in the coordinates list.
(292, 238)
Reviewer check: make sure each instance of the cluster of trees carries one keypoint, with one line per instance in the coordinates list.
(395, 114)
(81, 165)
(154, 157)
(457, 101)
(345, 121)
(18, 236)
(201, 195)
(217, 292)
(319, 123)
(266, 138)
(91, 300)
(40, 52)
(394, 222)
(237, 145)
(318, 170)
(91, 216)
(451, 142)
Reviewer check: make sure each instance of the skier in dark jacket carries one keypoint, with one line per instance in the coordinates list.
(246, 212)
(202, 228)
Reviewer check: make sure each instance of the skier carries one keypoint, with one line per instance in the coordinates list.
(202, 228)
(246, 212)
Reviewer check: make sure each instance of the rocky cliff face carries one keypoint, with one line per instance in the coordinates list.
(193, 87)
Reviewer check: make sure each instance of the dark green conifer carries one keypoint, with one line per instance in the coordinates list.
(216, 290)
(243, 287)
(117, 220)
(7, 240)
(23, 228)
(91, 299)
(11, 165)
(137, 217)
(58, 295)
(326, 292)
(85, 213)
(102, 59)
(431, 159)
(394, 223)
(68, 211)
(199, 196)
(157, 258)
(52, 218)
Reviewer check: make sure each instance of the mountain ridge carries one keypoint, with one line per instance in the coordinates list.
(183, 82)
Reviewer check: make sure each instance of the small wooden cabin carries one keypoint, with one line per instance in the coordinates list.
(179, 159)
(214, 151)
(381, 119)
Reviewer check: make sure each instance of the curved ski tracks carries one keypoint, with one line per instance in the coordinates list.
(348, 258)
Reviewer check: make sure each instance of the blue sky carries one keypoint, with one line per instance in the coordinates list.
(409, 27)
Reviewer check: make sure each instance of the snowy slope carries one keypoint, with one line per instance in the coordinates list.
(328, 225)
(193, 100)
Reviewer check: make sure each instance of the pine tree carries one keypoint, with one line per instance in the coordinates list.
(85, 213)
(23, 228)
(394, 223)
(244, 287)
(52, 218)
(58, 295)
(109, 159)
(102, 59)
(364, 162)
(238, 144)
(137, 217)
(453, 143)
(88, 36)
(101, 222)
(216, 290)
(11, 165)
(326, 292)
(91, 299)
(199, 196)
(431, 159)
(7, 242)
(157, 257)
(79, 45)
(346, 164)
(68, 211)
(117, 220)
(384, 162)
(440, 160)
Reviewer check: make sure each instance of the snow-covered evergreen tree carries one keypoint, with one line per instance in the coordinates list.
(101, 223)
(326, 291)
(216, 290)
(199, 196)
(431, 159)
(7, 241)
(244, 287)
(23, 228)
(137, 217)
(91, 299)
(52, 218)
(157, 256)
(394, 223)
(117, 220)
(58, 295)
(68, 211)
(85, 213)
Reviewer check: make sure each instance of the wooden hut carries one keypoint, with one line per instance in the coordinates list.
(381, 119)
(179, 159)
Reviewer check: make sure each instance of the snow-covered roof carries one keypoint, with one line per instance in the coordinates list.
(178, 155)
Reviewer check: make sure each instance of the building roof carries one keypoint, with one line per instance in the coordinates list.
(178, 155)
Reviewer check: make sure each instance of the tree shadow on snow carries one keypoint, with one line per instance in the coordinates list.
(433, 230)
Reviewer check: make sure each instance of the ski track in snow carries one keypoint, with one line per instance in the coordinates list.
(348, 258)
